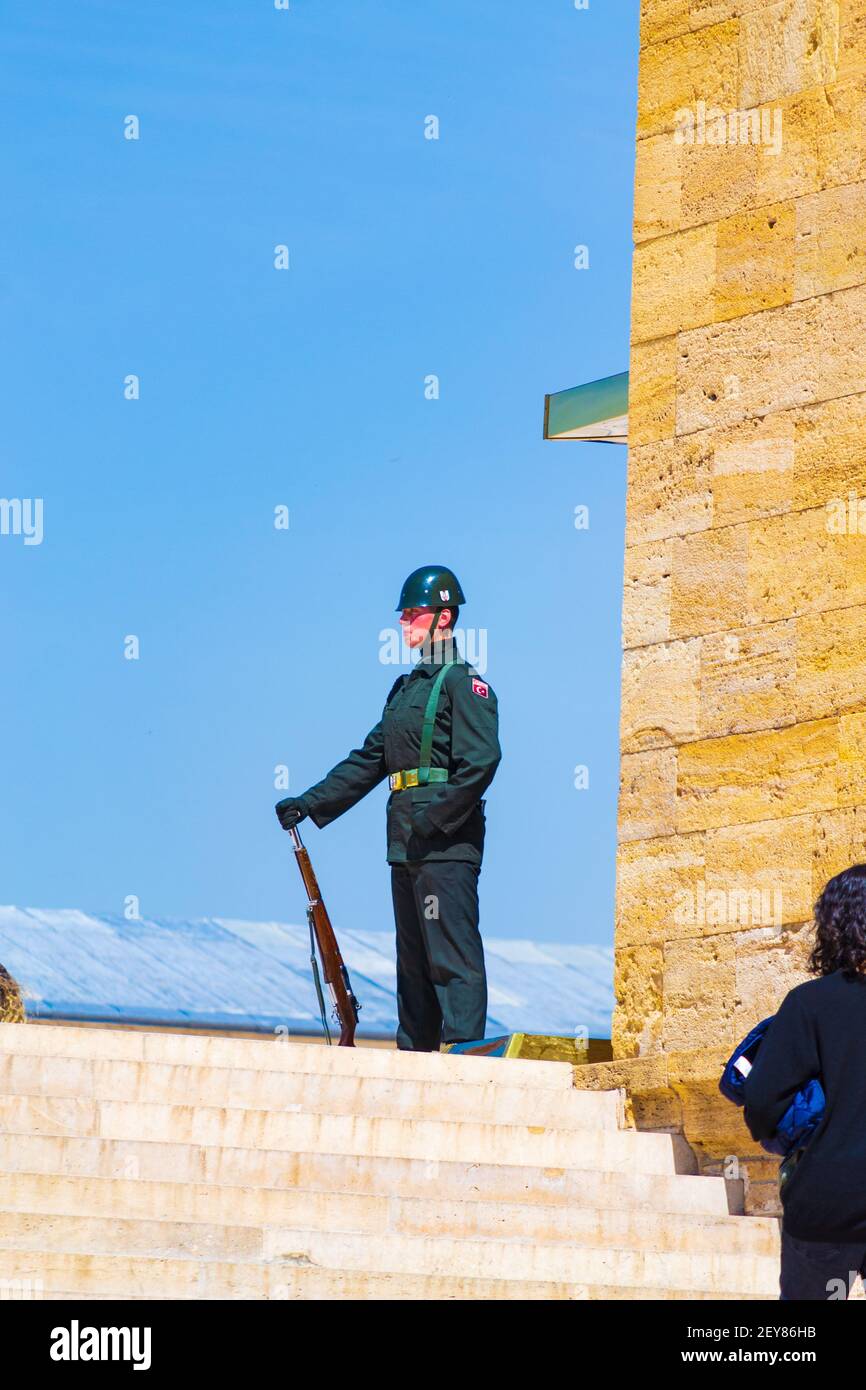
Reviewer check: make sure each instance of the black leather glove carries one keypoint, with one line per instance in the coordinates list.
(290, 811)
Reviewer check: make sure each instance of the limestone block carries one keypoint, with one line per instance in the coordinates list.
(663, 19)
(638, 988)
(829, 451)
(759, 776)
(762, 1195)
(699, 991)
(760, 874)
(797, 565)
(746, 262)
(669, 488)
(718, 180)
(672, 283)
(694, 1068)
(720, 1138)
(680, 72)
(660, 1109)
(840, 131)
(830, 663)
(712, 478)
(647, 794)
(654, 1104)
(754, 255)
(730, 577)
(652, 391)
(753, 465)
(787, 48)
(830, 241)
(748, 679)
(858, 840)
(733, 266)
(640, 1074)
(851, 772)
(840, 838)
(709, 581)
(11, 1002)
(655, 878)
(716, 988)
(660, 699)
(781, 151)
(657, 187)
(797, 146)
(768, 966)
(852, 38)
(729, 880)
(794, 355)
(763, 1173)
(792, 858)
(714, 11)
(646, 594)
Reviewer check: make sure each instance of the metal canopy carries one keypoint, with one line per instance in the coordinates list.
(596, 411)
(220, 972)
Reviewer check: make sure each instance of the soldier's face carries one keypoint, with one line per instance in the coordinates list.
(416, 623)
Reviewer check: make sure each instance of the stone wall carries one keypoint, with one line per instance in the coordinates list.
(11, 1003)
(744, 621)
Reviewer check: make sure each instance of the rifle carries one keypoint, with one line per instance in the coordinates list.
(346, 1005)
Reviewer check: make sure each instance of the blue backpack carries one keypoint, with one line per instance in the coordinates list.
(803, 1115)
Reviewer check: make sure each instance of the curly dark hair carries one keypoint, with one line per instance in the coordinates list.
(840, 919)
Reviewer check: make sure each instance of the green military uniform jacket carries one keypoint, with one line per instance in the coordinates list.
(443, 820)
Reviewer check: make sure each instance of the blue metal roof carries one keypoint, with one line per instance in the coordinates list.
(224, 973)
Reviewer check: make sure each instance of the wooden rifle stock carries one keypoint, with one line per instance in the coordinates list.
(336, 975)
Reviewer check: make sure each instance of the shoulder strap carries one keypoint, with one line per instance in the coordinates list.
(429, 721)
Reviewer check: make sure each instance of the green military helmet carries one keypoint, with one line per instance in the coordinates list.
(432, 586)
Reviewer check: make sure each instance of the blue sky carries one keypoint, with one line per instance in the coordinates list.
(305, 388)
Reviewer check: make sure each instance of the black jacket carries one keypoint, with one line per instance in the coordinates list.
(819, 1030)
(443, 820)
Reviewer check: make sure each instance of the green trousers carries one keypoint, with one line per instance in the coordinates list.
(441, 980)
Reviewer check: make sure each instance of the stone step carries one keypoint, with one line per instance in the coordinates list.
(295, 1131)
(101, 1277)
(63, 1296)
(140, 1165)
(278, 1054)
(27, 1074)
(393, 1253)
(555, 1187)
(182, 1203)
(341, 1287)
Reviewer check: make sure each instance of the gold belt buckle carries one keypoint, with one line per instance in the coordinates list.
(399, 781)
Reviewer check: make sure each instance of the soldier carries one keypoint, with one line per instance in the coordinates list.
(437, 742)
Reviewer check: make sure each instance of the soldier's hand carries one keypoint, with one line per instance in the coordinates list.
(290, 811)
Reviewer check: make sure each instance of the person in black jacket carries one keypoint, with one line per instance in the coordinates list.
(820, 1031)
(437, 742)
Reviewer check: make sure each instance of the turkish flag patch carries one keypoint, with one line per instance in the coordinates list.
(479, 688)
